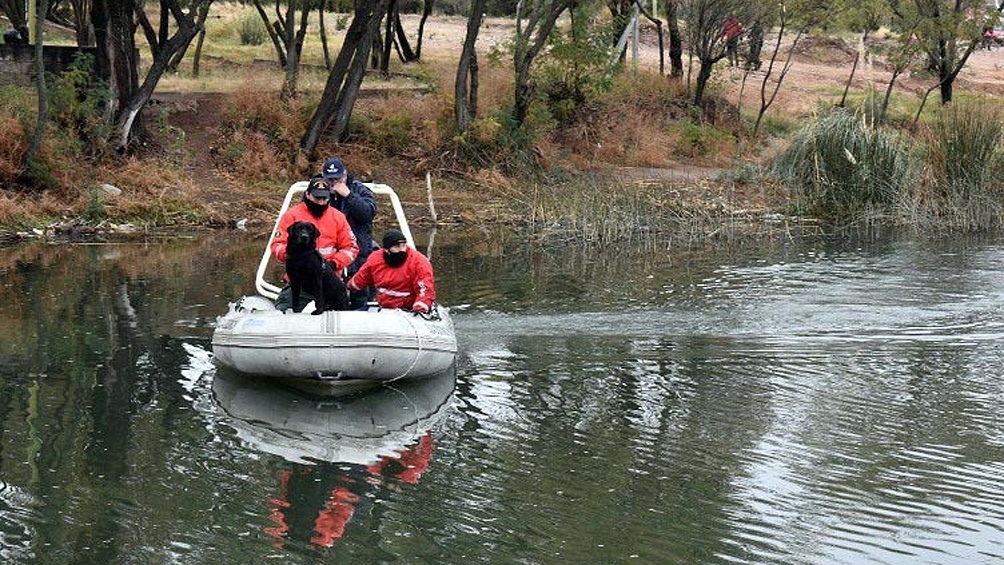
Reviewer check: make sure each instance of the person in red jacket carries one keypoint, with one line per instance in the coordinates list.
(337, 244)
(402, 275)
(732, 29)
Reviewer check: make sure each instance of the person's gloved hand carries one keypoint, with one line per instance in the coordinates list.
(420, 308)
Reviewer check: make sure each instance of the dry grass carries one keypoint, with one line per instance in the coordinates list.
(13, 148)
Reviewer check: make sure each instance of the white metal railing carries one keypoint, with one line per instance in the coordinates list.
(270, 290)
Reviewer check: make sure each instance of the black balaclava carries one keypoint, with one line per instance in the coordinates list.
(316, 210)
(395, 259)
(390, 239)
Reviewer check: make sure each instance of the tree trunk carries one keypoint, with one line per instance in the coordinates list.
(426, 12)
(675, 41)
(529, 45)
(465, 93)
(128, 120)
(346, 75)
(294, 45)
(324, 37)
(116, 52)
(404, 51)
(703, 75)
(148, 32)
(200, 23)
(43, 95)
(279, 52)
(388, 37)
(82, 22)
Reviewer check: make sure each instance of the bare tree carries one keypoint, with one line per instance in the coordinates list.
(531, 37)
(465, 91)
(765, 99)
(115, 26)
(342, 86)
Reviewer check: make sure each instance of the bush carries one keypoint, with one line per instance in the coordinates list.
(251, 29)
(965, 158)
(77, 103)
(839, 167)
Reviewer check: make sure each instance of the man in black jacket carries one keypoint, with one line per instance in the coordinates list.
(356, 201)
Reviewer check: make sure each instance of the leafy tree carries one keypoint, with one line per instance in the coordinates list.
(578, 64)
(533, 28)
(705, 35)
(947, 31)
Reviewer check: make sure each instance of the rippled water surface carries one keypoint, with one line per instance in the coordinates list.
(791, 401)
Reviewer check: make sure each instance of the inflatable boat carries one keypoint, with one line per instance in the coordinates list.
(376, 344)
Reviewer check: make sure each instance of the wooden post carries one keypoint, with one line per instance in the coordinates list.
(432, 204)
(635, 34)
(31, 21)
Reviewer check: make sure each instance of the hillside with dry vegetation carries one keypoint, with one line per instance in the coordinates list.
(223, 146)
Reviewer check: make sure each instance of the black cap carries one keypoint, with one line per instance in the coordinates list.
(392, 238)
(318, 188)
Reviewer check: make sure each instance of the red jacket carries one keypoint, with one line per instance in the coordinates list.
(336, 242)
(398, 287)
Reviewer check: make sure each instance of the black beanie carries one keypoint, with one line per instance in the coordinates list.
(392, 238)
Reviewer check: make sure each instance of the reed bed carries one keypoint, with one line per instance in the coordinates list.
(840, 167)
(965, 169)
(600, 211)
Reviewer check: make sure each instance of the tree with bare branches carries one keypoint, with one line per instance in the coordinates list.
(342, 86)
(533, 27)
(115, 24)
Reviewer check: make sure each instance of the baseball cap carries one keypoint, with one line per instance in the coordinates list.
(333, 169)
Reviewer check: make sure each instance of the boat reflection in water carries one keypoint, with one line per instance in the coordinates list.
(339, 451)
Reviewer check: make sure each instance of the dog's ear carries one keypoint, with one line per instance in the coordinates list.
(315, 231)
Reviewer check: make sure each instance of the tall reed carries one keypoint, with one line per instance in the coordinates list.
(841, 169)
(966, 165)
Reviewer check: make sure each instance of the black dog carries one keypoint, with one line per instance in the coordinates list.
(309, 273)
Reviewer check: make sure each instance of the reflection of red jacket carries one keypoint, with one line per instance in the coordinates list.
(413, 461)
(330, 523)
(398, 287)
(336, 243)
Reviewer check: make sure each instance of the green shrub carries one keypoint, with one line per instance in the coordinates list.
(839, 167)
(251, 29)
(77, 103)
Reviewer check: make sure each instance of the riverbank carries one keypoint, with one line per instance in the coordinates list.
(219, 154)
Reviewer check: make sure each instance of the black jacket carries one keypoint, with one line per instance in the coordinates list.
(359, 208)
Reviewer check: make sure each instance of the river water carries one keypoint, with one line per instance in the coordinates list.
(791, 400)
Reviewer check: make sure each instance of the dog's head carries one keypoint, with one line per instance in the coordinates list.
(303, 235)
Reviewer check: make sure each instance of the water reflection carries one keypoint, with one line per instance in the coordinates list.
(788, 401)
(340, 451)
